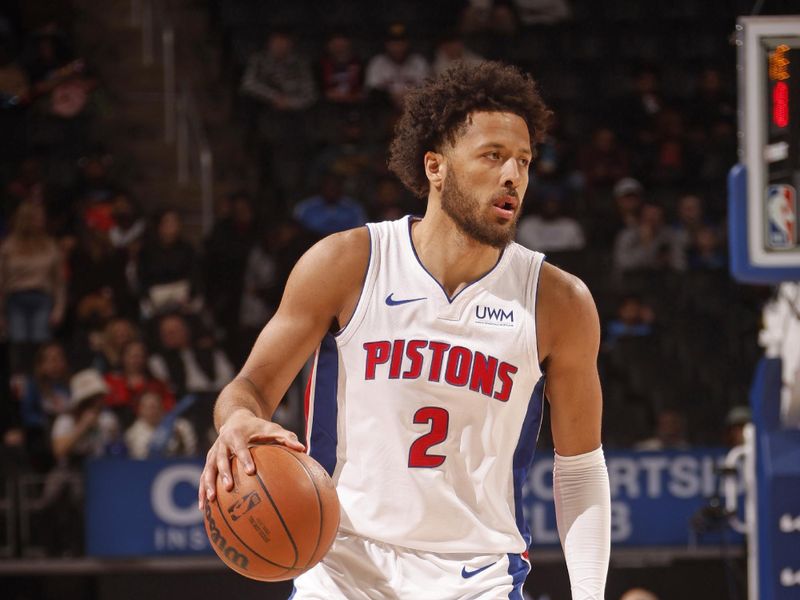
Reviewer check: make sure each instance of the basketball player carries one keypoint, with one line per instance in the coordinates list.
(437, 340)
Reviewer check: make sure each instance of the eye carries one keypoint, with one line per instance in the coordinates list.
(494, 155)
(524, 162)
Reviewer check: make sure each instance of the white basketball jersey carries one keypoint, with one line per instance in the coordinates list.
(425, 409)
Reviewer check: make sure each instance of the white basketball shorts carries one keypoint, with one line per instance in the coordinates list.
(357, 568)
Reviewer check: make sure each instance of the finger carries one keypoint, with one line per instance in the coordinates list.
(201, 497)
(224, 469)
(246, 460)
(290, 439)
(209, 483)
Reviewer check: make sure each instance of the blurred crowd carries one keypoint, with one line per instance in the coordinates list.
(119, 329)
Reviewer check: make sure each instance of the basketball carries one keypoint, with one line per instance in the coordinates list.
(277, 523)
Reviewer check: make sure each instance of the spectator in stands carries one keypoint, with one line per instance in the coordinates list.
(711, 102)
(94, 184)
(133, 379)
(14, 84)
(45, 394)
(551, 230)
(341, 71)
(268, 268)
(43, 397)
(169, 278)
(27, 184)
(190, 366)
(49, 58)
(261, 293)
(670, 432)
(97, 269)
(638, 109)
(32, 287)
(86, 429)
(352, 155)
(603, 161)
(488, 17)
(638, 594)
(554, 158)
(706, 251)
(128, 226)
(735, 421)
(278, 77)
(634, 318)
(450, 51)
(547, 12)
(396, 70)
(628, 200)
(388, 200)
(666, 159)
(282, 85)
(107, 348)
(156, 433)
(329, 211)
(646, 246)
(226, 250)
(690, 219)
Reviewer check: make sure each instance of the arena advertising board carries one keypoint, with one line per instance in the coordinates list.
(141, 508)
(657, 499)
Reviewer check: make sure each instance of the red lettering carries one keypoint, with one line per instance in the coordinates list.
(504, 373)
(397, 359)
(484, 370)
(459, 362)
(438, 349)
(377, 354)
(413, 352)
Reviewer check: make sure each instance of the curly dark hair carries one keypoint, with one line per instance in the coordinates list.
(439, 110)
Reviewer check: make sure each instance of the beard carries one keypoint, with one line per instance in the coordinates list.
(470, 217)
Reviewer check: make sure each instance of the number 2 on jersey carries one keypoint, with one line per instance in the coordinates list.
(439, 420)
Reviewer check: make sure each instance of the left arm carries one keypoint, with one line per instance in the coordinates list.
(570, 338)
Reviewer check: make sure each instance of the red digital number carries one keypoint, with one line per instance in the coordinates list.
(439, 420)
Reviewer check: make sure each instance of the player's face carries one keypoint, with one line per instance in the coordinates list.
(487, 175)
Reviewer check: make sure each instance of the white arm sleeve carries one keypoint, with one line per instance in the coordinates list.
(583, 516)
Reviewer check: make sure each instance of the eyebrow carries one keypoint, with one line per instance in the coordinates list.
(495, 145)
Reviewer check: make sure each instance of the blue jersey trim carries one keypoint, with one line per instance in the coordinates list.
(470, 284)
(523, 454)
(323, 435)
(518, 568)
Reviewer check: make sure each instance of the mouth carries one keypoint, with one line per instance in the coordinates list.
(506, 205)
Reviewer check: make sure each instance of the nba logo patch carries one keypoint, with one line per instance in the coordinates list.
(781, 217)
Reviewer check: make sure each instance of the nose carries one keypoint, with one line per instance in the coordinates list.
(511, 174)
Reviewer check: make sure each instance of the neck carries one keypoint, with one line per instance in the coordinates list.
(454, 259)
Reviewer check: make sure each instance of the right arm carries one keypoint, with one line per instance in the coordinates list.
(323, 289)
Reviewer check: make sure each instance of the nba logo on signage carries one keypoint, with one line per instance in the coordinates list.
(781, 217)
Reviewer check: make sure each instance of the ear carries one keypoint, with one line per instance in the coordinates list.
(435, 169)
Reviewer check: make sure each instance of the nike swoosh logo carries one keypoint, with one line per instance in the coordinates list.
(467, 574)
(392, 302)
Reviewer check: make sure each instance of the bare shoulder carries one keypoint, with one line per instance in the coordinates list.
(566, 314)
(340, 254)
(328, 277)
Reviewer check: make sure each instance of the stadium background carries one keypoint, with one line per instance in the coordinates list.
(176, 189)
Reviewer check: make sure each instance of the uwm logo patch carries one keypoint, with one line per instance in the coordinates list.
(492, 315)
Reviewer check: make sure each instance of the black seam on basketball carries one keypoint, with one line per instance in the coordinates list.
(319, 504)
(233, 531)
(280, 516)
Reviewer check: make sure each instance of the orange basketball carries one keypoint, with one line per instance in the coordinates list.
(278, 523)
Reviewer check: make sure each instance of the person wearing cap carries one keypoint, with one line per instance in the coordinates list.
(638, 594)
(397, 69)
(735, 420)
(86, 429)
